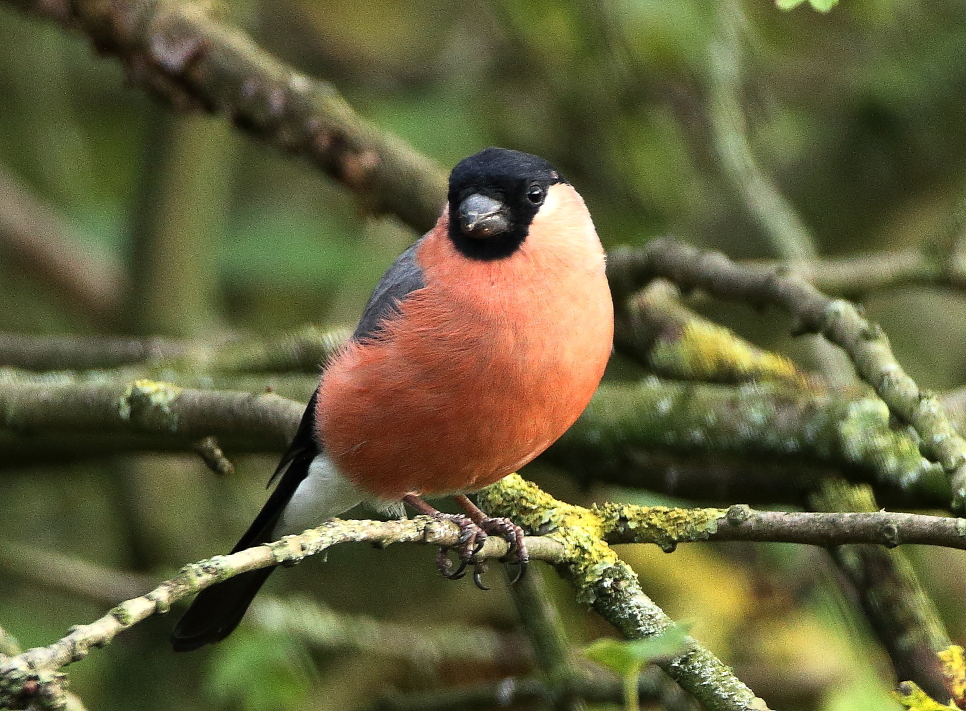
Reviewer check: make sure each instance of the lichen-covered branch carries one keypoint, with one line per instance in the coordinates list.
(163, 414)
(654, 328)
(34, 671)
(177, 50)
(628, 428)
(628, 432)
(837, 320)
(606, 583)
(578, 545)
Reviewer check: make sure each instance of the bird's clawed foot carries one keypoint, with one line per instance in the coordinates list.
(475, 527)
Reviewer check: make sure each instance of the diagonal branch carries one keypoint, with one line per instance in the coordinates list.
(177, 51)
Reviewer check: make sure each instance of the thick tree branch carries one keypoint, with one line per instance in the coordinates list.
(577, 545)
(628, 432)
(631, 430)
(837, 320)
(176, 50)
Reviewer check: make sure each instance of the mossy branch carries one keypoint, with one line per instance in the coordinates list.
(576, 545)
(837, 320)
(626, 429)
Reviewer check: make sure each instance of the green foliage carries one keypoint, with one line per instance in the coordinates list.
(628, 657)
(260, 671)
(819, 5)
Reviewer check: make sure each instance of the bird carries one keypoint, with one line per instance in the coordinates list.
(480, 346)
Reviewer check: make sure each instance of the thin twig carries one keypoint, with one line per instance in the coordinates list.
(38, 241)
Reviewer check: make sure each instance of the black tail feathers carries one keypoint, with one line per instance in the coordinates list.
(216, 612)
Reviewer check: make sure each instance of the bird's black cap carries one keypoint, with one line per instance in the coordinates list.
(517, 180)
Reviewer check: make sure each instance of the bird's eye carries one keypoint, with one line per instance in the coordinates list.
(536, 194)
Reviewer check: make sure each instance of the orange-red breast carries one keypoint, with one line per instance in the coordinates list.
(480, 346)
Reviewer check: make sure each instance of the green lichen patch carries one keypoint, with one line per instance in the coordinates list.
(706, 351)
(661, 525)
(147, 404)
(579, 530)
(915, 699)
(866, 438)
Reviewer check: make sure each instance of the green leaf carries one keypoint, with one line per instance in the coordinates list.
(627, 657)
(823, 5)
(818, 5)
(260, 671)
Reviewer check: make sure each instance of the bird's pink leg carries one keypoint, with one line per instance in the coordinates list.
(475, 527)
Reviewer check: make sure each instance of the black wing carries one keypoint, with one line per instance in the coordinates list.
(403, 277)
(218, 610)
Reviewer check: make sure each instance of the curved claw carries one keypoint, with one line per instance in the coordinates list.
(481, 539)
(444, 565)
(478, 570)
(521, 571)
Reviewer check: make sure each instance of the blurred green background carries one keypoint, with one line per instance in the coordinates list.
(180, 226)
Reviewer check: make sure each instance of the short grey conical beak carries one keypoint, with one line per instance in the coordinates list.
(481, 216)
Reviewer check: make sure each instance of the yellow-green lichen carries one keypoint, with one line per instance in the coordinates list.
(580, 531)
(915, 699)
(661, 525)
(706, 351)
(953, 663)
(865, 437)
(147, 403)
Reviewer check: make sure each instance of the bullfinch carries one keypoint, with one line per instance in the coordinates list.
(479, 347)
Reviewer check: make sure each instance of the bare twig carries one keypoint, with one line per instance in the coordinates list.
(540, 621)
(884, 584)
(37, 241)
(421, 645)
(302, 351)
(175, 50)
(854, 276)
(211, 454)
(65, 573)
(788, 234)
